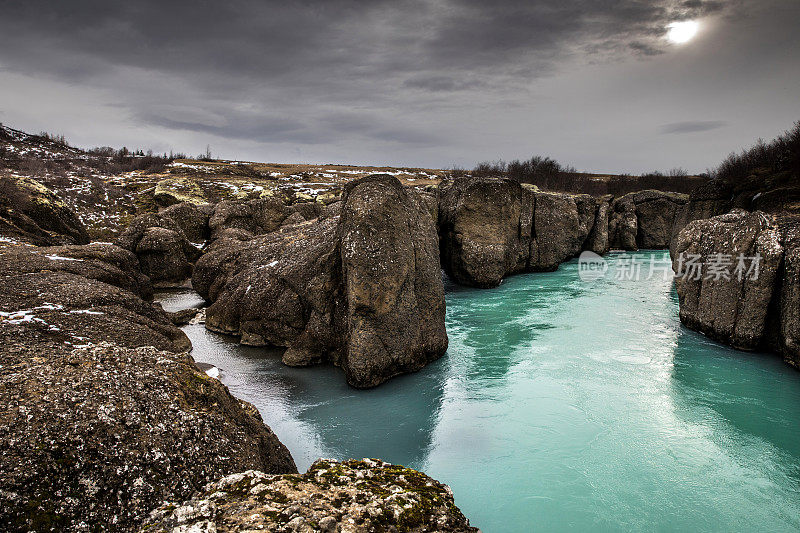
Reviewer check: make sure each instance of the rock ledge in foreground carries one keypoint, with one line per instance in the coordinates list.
(350, 496)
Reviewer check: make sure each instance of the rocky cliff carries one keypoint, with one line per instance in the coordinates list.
(755, 311)
(728, 305)
(750, 209)
(359, 286)
(490, 228)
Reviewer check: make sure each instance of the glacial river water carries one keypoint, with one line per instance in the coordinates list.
(561, 405)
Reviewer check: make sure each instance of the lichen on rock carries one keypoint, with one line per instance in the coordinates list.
(350, 496)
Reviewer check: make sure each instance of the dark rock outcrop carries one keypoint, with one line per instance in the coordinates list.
(84, 294)
(484, 229)
(31, 213)
(730, 308)
(256, 217)
(761, 211)
(391, 280)
(561, 225)
(105, 416)
(191, 219)
(784, 325)
(490, 228)
(597, 241)
(367, 495)
(361, 288)
(95, 438)
(644, 219)
(164, 252)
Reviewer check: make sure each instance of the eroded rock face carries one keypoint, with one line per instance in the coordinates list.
(282, 289)
(561, 225)
(84, 294)
(351, 496)
(490, 228)
(784, 330)
(392, 282)
(360, 288)
(192, 219)
(483, 233)
(256, 217)
(165, 254)
(95, 438)
(732, 310)
(597, 241)
(644, 219)
(31, 213)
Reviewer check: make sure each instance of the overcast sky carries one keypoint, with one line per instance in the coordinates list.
(437, 83)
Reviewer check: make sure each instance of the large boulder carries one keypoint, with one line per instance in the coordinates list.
(561, 225)
(164, 252)
(192, 219)
(31, 213)
(731, 307)
(94, 438)
(484, 229)
(367, 495)
(490, 228)
(360, 288)
(392, 282)
(644, 219)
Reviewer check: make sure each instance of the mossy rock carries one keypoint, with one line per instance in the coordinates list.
(172, 191)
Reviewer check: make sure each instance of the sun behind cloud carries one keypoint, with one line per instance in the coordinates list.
(682, 32)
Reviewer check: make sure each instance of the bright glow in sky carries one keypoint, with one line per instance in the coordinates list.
(682, 32)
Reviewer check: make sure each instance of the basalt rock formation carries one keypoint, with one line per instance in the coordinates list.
(351, 496)
(730, 307)
(751, 314)
(490, 228)
(165, 254)
(359, 286)
(644, 219)
(31, 213)
(760, 312)
(784, 326)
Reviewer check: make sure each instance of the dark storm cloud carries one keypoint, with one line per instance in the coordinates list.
(384, 79)
(286, 59)
(695, 126)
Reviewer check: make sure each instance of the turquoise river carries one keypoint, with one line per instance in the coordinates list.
(561, 405)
